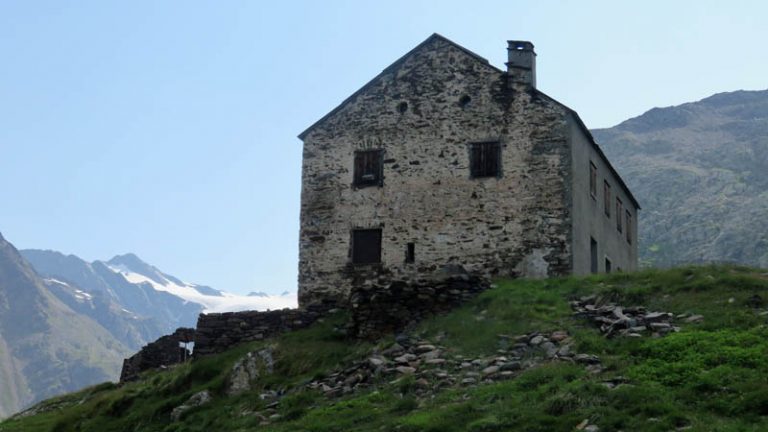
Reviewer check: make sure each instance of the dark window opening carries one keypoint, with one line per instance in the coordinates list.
(410, 253)
(402, 107)
(629, 227)
(593, 180)
(607, 198)
(593, 255)
(366, 246)
(485, 159)
(607, 265)
(464, 101)
(368, 168)
(619, 212)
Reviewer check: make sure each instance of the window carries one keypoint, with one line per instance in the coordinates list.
(410, 253)
(593, 255)
(629, 227)
(366, 246)
(607, 198)
(607, 265)
(593, 180)
(368, 169)
(619, 212)
(485, 159)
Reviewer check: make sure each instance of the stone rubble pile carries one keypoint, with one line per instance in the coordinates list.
(432, 366)
(636, 321)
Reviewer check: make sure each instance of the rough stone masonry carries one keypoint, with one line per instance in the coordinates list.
(445, 160)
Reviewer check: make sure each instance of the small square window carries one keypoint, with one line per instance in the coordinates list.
(485, 159)
(368, 170)
(366, 246)
(593, 180)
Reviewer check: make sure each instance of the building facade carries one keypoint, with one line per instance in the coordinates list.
(444, 161)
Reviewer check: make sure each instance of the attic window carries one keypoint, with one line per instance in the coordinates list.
(485, 159)
(402, 107)
(366, 246)
(368, 168)
(464, 101)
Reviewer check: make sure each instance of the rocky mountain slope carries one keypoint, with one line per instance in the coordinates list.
(46, 348)
(699, 171)
(680, 349)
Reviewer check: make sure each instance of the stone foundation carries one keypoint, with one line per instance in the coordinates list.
(381, 309)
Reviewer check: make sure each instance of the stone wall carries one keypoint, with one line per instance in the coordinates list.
(423, 112)
(388, 308)
(165, 351)
(217, 332)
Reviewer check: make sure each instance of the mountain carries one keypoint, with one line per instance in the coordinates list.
(699, 172)
(527, 355)
(135, 313)
(46, 347)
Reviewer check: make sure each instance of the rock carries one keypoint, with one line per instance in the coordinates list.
(406, 370)
(425, 348)
(436, 361)
(468, 381)
(247, 369)
(376, 363)
(536, 340)
(490, 370)
(196, 400)
(406, 358)
(466, 365)
(694, 318)
(564, 351)
(394, 350)
(586, 359)
(430, 355)
(511, 366)
(558, 336)
(591, 428)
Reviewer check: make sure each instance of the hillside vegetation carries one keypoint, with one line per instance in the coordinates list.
(712, 375)
(698, 170)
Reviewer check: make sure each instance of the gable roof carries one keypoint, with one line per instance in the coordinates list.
(388, 69)
(436, 36)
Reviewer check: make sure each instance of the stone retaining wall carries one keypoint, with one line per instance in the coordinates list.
(217, 332)
(381, 309)
(165, 351)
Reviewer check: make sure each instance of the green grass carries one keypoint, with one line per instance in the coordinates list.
(712, 376)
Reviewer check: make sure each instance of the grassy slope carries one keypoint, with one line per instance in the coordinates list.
(712, 376)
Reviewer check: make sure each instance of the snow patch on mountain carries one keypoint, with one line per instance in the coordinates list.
(219, 302)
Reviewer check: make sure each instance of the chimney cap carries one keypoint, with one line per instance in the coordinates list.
(519, 45)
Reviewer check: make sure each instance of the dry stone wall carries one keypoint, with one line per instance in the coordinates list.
(391, 307)
(217, 332)
(418, 114)
(165, 351)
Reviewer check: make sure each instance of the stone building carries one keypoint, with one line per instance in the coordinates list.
(445, 162)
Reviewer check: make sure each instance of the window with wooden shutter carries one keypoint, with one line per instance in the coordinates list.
(485, 159)
(366, 246)
(368, 170)
(593, 180)
(607, 198)
(619, 212)
(629, 227)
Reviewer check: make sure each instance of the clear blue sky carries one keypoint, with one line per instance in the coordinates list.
(168, 128)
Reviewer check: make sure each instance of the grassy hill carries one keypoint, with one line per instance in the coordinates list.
(712, 375)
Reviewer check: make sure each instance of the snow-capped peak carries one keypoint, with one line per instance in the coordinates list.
(137, 272)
